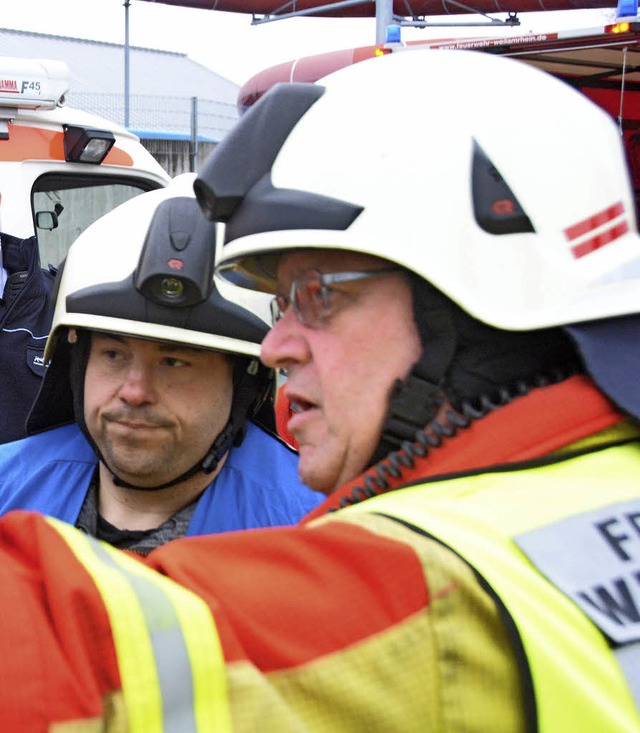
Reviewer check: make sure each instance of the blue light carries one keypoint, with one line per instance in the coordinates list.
(627, 8)
(393, 32)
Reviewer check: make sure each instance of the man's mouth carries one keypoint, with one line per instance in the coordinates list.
(139, 420)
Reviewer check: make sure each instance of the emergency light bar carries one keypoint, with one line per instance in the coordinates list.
(32, 84)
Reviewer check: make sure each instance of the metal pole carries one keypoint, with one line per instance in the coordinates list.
(127, 3)
(384, 18)
(194, 135)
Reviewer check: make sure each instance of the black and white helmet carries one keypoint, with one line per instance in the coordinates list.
(491, 181)
(146, 270)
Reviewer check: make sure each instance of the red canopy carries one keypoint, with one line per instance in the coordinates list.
(401, 8)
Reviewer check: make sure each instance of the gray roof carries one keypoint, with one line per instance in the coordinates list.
(162, 84)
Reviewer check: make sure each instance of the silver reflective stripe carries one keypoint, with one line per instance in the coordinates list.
(173, 665)
(629, 660)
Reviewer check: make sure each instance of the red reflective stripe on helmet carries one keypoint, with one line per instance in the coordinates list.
(593, 222)
(605, 236)
(599, 240)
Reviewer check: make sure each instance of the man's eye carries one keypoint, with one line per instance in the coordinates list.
(112, 355)
(328, 296)
(174, 361)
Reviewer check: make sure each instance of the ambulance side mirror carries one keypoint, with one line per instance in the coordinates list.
(46, 220)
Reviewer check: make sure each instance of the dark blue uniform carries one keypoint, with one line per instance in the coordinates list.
(26, 311)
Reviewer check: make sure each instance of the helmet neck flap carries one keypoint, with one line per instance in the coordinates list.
(466, 362)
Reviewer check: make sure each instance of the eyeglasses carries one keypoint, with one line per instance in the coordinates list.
(310, 294)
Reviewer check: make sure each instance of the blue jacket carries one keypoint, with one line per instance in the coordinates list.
(258, 485)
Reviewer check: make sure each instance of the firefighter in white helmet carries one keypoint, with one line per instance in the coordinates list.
(451, 245)
(144, 422)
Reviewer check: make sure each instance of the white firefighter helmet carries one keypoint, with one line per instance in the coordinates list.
(495, 182)
(499, 184)
(145, 270)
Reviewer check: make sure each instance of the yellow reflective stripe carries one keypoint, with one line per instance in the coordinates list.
(130, 634)
(169, 654)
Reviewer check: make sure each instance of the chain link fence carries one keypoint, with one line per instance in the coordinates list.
(180, 132)
(162, 115)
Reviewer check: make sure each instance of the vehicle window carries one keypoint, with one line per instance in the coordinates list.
(63, 206)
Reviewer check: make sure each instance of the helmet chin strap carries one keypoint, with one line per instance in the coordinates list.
(248, 390)
(248, 393)
(464, 360)
(416, 400)
(207, 465)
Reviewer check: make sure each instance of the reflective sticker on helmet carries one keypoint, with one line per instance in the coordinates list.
(598, 230)
(496, 208)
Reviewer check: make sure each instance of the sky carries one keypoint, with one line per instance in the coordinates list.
(228, 43)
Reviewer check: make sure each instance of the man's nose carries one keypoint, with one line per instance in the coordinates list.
(138, 385)
(285, 343)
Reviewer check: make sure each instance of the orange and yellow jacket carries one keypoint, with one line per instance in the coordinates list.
(496, 591)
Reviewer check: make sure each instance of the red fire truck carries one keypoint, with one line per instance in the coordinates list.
(602, 62)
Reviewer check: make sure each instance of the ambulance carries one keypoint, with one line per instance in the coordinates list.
(61, 168)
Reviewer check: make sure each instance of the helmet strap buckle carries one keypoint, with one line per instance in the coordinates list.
(414, 403)
(219, 449)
